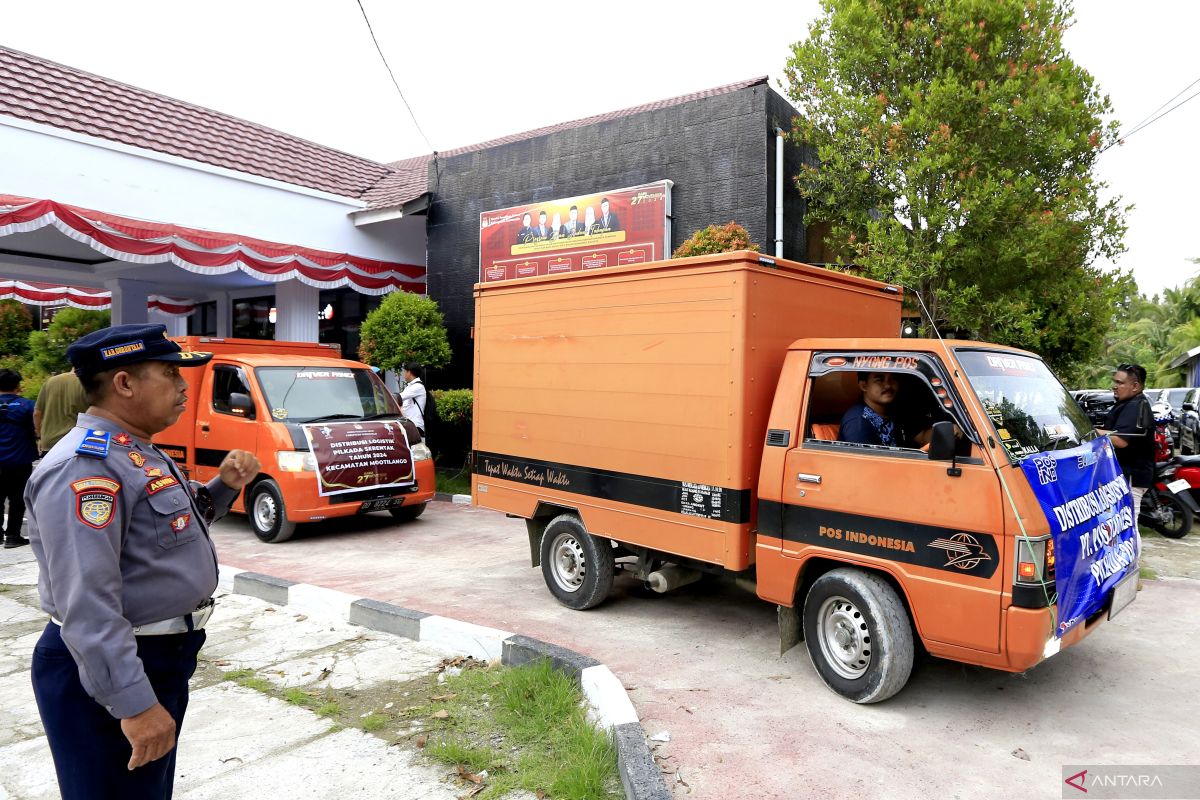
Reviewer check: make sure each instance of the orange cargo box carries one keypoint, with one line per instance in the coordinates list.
(637, 394)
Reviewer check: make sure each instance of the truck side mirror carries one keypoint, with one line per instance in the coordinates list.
(240, 401)
(942, 444)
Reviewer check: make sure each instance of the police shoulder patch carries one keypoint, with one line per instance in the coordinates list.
(95, 500)
(94, 444)
(137, 458)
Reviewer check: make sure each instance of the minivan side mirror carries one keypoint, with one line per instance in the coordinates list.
(1189, 407)
(942, 444)
(240, 401)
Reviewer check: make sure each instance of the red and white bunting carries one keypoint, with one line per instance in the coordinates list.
(48, 294)
(208, 252)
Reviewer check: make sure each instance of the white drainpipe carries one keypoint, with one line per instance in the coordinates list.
(779, 192)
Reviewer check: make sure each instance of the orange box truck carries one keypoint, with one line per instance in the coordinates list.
(680, 417)
(322, 426)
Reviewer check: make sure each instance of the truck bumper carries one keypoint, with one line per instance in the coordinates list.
(1030, 635)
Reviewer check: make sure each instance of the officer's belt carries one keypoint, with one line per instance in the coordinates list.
(197, 619)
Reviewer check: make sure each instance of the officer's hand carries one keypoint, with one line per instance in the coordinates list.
(151, 733)
(239, 468)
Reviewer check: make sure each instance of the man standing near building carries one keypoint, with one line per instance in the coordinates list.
(413, 396)
(126, 569)
(18, 451)
(1130, 426)
(59, 402)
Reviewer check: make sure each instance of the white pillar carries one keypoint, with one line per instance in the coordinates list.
(224, 314)
(296, 312)
(176, 326)
(129, 299)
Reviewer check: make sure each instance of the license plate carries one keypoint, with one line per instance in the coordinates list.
(1179, 486)
(382, 504)
(1123, 593)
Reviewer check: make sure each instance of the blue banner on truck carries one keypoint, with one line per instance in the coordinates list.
(1090, 510)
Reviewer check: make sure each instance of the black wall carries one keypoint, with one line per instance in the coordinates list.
(719, 151)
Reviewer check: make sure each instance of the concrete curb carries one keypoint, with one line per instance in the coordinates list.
(609, 703)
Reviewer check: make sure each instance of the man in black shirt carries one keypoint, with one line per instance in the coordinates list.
(1131, 427)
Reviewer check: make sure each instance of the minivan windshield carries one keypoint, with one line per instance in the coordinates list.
(1029, 408)
(311, 393)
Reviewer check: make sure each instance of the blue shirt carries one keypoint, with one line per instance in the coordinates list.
(861, 424)
(18, 445)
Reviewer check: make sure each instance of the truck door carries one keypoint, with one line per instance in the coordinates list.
(223, 422)
(882, 502)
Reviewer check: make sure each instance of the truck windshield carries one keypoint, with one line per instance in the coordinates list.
(1029, 408)
(307, 393)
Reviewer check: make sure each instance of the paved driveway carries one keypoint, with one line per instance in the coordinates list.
(702, 665)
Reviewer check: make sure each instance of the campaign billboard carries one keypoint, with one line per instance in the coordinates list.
(352, 456)
(573, 234)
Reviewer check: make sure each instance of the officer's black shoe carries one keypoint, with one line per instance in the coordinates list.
(19, 541)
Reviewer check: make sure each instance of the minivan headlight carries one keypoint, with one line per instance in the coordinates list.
(420, 452)
(296, 461)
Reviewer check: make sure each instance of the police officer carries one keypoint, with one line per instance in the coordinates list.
(127, 569)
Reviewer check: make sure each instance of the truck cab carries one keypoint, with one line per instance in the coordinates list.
(268, 398)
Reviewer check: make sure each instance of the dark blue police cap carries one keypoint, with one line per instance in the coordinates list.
(122, 345)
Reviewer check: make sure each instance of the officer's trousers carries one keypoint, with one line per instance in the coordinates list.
(91, 754)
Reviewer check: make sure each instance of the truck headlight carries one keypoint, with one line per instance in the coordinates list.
(420, 452)
(296, 461)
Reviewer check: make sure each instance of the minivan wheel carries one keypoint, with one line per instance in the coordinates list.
(577, 567)
(408, 513)
(858, 635)
(268, 515)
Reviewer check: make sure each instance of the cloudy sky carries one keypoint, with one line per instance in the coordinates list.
(473, 71)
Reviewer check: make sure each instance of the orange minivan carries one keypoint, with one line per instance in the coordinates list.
(676, 418)
(323, 427)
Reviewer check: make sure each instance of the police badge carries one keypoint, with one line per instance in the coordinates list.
(95, 499)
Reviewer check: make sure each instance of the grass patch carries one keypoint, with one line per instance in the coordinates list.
(298, 697)
(1147, 573)
(247, 678)
(453, 481)
(329, 709)
(527, 728)
(373, 722)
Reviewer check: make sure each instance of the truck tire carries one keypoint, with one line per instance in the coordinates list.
(858, 635)
(577, 567)
(268, 514)
(408, 513)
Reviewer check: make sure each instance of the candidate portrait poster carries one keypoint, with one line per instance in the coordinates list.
(352, 456)
(574, 234)
(1090, 510)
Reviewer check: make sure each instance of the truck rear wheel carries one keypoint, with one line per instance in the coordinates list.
(577, 567)
(268, 514)
(408, 513)
(858, 635)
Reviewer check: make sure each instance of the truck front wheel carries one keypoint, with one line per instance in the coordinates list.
(577, 567)
(268, 515)
(858, 635)
(408, 513)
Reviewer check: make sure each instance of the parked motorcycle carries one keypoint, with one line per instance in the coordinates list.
(1170, 506)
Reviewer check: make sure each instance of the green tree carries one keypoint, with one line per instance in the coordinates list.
(716, 239)
(15, 325)
(405, 327)
(955, 143)
(48, 348)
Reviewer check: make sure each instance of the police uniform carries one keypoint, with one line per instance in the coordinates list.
(127, 572)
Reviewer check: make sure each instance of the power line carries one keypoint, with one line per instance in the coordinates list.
(393, 76)
(1146, 123)
(1160, 108)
